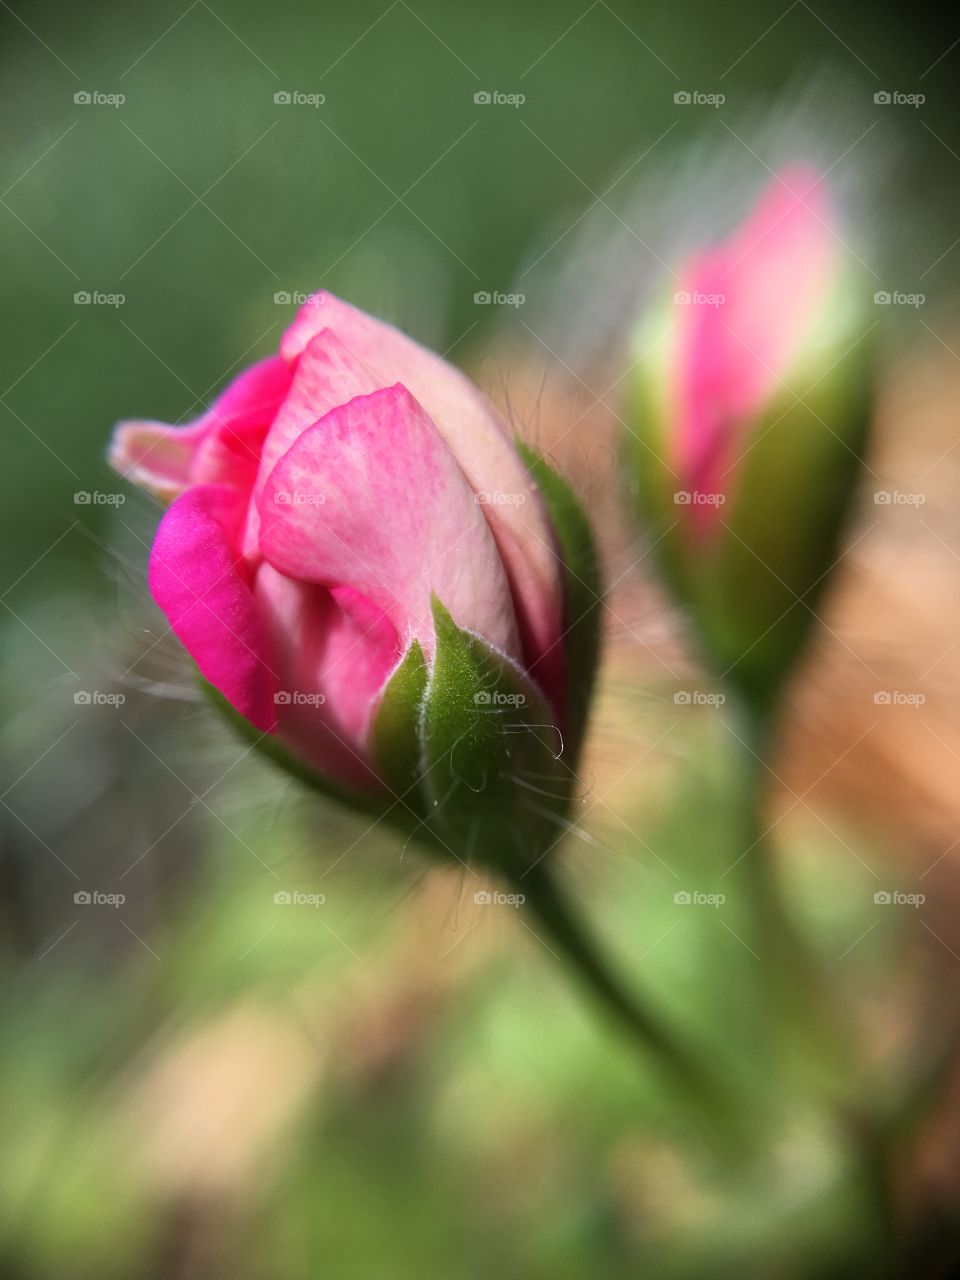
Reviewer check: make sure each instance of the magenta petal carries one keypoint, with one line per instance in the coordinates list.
(195, 580)
(238, 422)
(371, 498)
(221, 446)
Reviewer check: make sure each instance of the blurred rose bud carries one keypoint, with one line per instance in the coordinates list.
(748, 411)
(374, 583)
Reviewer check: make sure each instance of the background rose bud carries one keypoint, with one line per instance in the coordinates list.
(748, 412)
(326, 535)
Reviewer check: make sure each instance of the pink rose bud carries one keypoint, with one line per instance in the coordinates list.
(748, 412)
(361, 563)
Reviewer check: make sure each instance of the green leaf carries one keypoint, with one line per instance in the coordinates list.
(583, 595)
(396, 730)
(495, 775)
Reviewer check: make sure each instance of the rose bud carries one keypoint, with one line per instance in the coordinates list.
(377, 586)
(748, 411)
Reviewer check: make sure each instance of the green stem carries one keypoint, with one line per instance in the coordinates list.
(773, 928)
(796, 996)
(547, 901)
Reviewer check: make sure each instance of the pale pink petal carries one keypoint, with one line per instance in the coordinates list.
(221, 446)
(326, 375)
(195, 580)
(371, 498)
(465, 418)
(333, 652)
(768, 280)
(156, 456)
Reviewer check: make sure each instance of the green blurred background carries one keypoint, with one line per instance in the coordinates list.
(199, 1082)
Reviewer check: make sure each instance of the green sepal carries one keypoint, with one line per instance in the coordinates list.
(395, 734)
(583, 595)
(495, 779)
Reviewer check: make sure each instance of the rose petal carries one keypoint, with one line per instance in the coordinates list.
(195, 580)
(772, 275)
(221, 446)
(466, 420)
(371, 498)
(333, 652)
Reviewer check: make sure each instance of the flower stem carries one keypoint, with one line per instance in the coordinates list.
(796, 994)
(550, 905)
